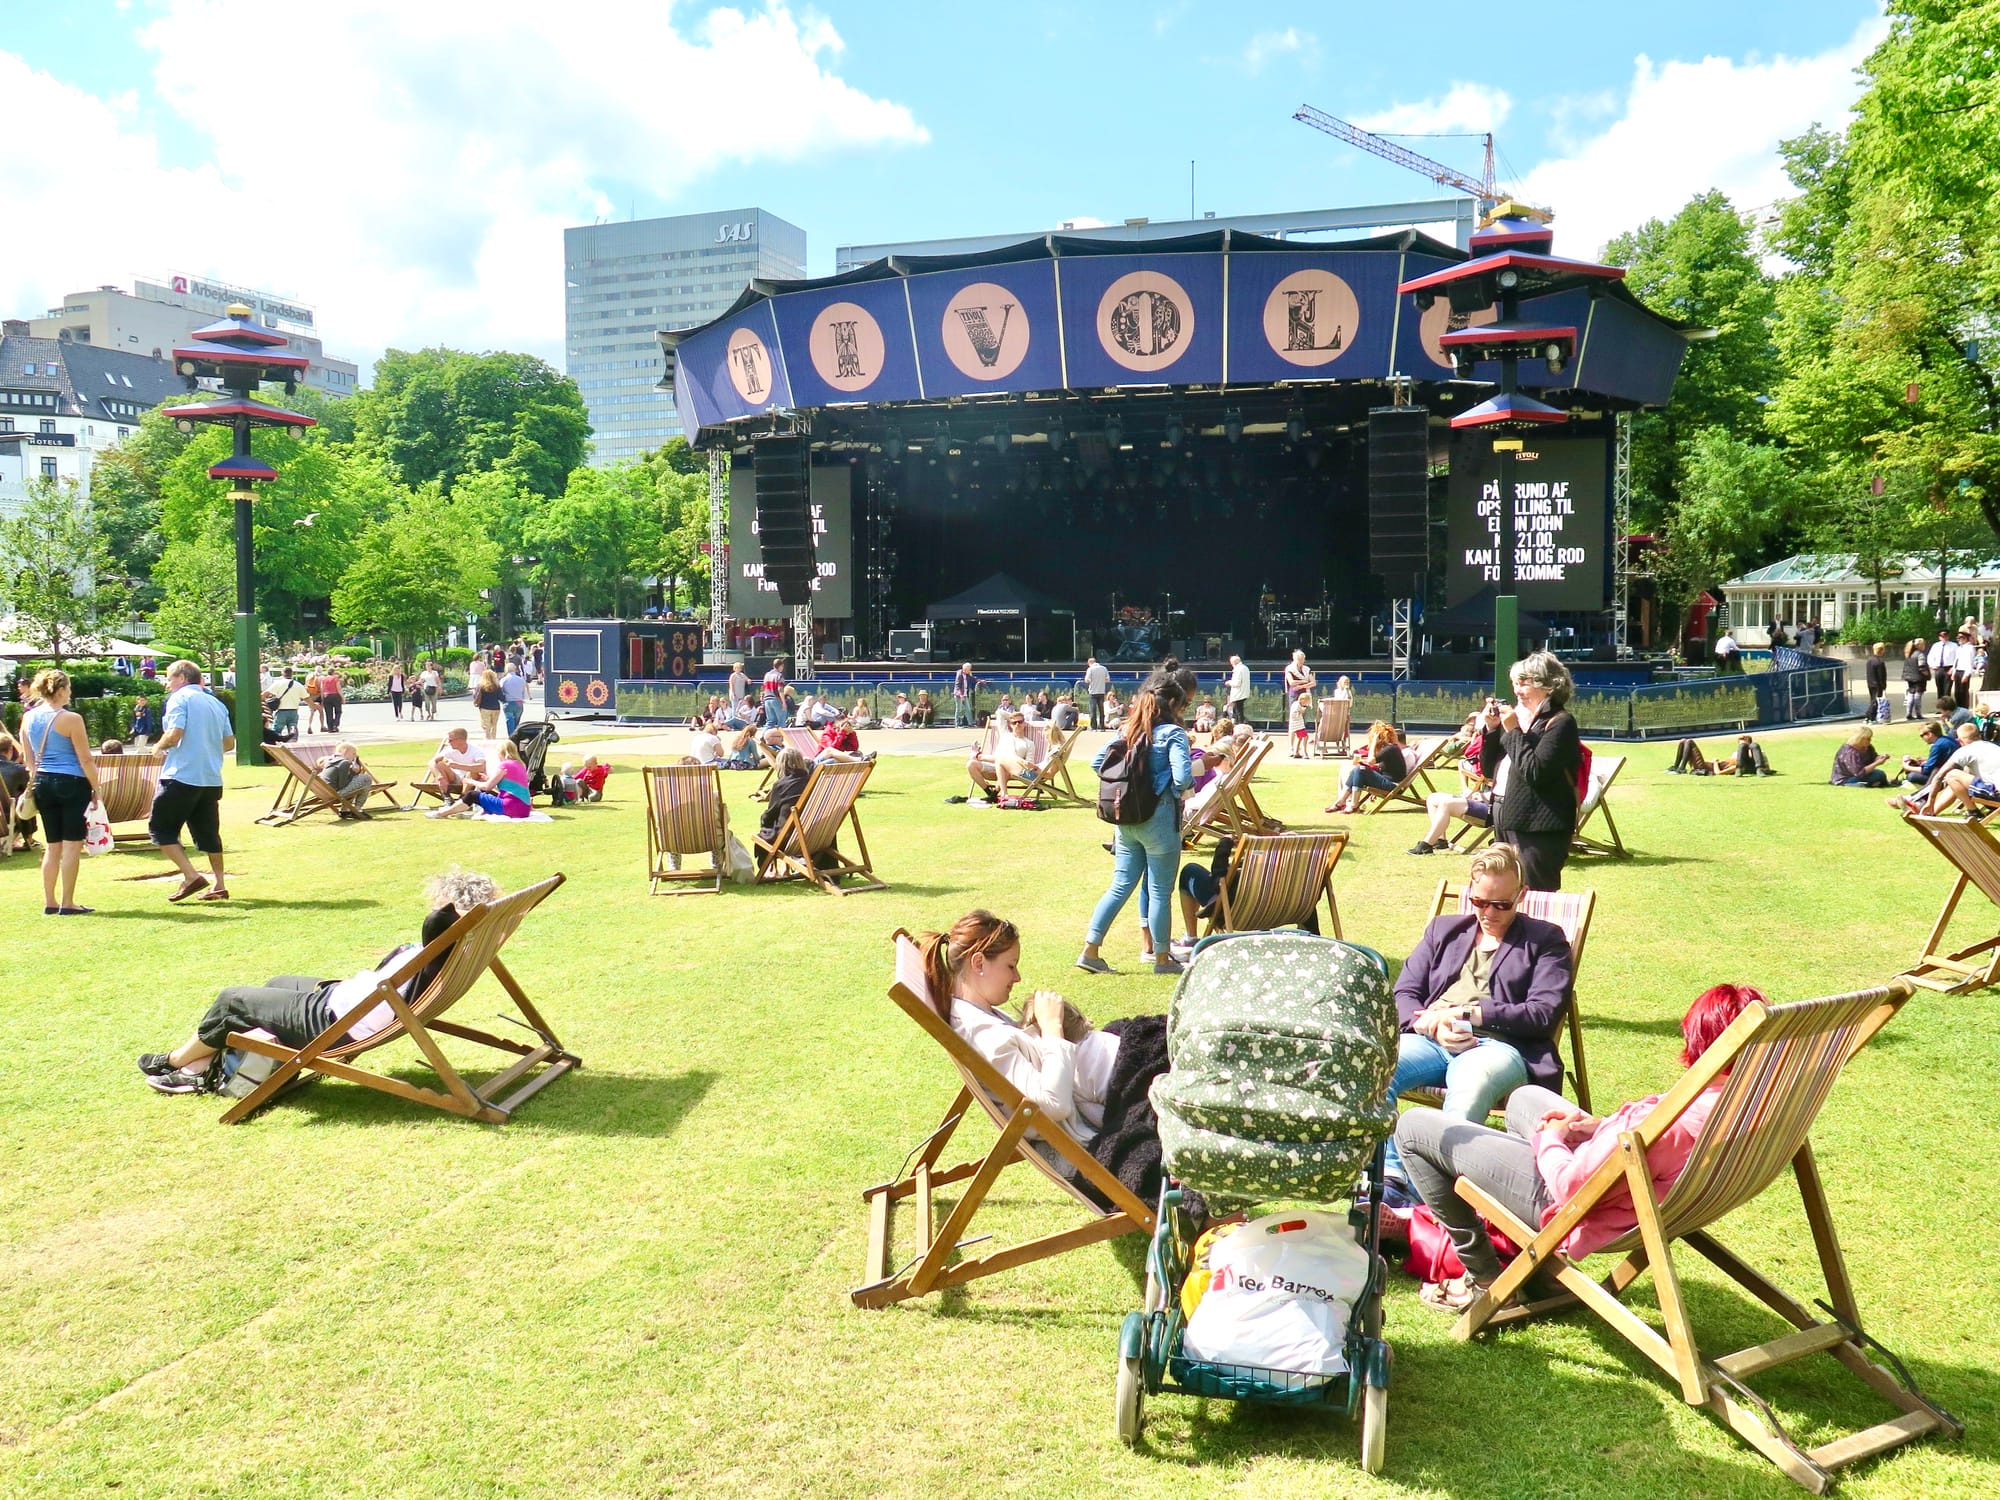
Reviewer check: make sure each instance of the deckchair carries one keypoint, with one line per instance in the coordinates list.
(805, 741)
(1276, 880)
(1596, 807)
(1775, 1066)
(804, 847)
(1419, 761)
(302, 792)
(1252, 817)
(1026, 1134)
(126, 784)
(1054, 783)
(1335, 722)
(1038, 740)
(473, 945)
(1569, 910)
(685, 815)
(1971, 848)
(1226, 804)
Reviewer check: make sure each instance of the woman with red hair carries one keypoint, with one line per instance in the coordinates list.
(1549, 1149)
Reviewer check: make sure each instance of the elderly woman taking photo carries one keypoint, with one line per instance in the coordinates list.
(1538, 737)
(64, 779)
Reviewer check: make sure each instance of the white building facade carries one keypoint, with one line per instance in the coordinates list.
(63, 403)
(622, 283)
(1828, 590)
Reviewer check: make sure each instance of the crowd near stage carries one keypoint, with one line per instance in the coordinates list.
(1208, 446)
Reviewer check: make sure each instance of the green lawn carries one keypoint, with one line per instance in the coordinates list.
(639, 1286)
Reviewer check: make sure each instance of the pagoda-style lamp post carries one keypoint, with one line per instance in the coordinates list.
(1510, 260)
(242, 353)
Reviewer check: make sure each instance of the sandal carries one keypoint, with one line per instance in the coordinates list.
(1453, 1296)
(189, 886)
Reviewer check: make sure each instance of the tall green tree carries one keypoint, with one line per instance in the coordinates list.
(422, 566)
(437, 415)
(586, 540)
(197, 608)
(57, 575)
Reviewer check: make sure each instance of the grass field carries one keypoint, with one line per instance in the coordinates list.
(638, 1287)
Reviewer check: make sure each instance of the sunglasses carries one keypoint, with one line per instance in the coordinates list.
(1482, 904)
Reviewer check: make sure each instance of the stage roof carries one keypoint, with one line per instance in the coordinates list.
(1000, 597)
(1059, 313)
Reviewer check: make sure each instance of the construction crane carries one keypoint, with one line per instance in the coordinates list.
(1482, 188)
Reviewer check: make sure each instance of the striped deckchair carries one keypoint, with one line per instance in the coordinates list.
(1773, 1069)
(1569, 910)
(685, 815)
(469, 948)
(126, 784)
(1215, 809)
(1596, 808)
(1336, 717)
(1054, 783)
(803, 847)
(1970, 847)
(1276, 880)
(1038, 739)
(1026, 1134)
(1419, 759)
(302, 793)
(805, 741)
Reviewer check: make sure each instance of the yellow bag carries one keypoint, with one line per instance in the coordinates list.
(1196, 1286)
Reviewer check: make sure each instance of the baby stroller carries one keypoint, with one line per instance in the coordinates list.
(1283, 1046)
(533, 740)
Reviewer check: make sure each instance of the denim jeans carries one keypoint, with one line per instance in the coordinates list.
(1473, 1080)
(1152, 848)
(774, 713)
(1362, 778)
(512, 710)
(961, 711)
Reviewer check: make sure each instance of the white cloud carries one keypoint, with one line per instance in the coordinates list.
(1464, 106)
(1267, 46)
(1690, 126)
(431, 156)
(1165, 20)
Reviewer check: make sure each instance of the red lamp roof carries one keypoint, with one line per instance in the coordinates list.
(242, 469)
(1538, 274)
(1509, 409)
(1506, 336)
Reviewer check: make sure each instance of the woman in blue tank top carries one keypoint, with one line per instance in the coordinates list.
(57, 748)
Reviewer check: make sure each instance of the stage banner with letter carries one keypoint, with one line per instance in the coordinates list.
(1562, 531)
(831, 496)
(733, 369)
(849, 343)
(1311, 315)
(1142, 319)
(987, 329)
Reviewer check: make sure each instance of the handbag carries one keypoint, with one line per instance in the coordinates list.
(737, 866)
(1432, 1255)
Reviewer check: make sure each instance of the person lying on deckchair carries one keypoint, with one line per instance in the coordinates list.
(1379, 768)
(1013, 757)
(1549, 1149)
(1093, 1082)
(1468, 805)
(295, 1009)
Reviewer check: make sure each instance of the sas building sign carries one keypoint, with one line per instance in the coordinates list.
(741, 231)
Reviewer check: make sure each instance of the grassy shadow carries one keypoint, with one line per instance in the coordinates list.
(582, 1103)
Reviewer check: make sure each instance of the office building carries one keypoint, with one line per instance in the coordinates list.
(60, 402)
(156, 315)
(623, 283)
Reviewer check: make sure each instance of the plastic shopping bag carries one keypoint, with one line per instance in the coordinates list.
(96, 830)
(1280, 1293)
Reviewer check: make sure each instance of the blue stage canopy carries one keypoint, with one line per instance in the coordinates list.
(1064, 314)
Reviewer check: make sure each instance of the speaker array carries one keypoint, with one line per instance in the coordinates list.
(781, 468)
(1398, 495)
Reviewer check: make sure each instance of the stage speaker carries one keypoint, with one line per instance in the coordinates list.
(782, 469)
(1398, 495)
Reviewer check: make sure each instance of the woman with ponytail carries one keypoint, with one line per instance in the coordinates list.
(1092, 1082)
(1151, 849)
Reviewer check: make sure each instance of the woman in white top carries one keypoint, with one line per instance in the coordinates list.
(705, 745)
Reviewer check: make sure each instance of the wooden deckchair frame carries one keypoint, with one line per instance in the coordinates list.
(1422, 761)
(1054, 779)
(1336, 724)
(1450, 901)
(127, 784)
(302, 792)
(1226, 804)
(1582, 841)
(800, 851)
(474, 942)
(1969, 846)
(1781, 1063)
(1026, 1134)
(805, 741)
(668, 788)
(489, 750)
(1254, 865)
(1041, 746)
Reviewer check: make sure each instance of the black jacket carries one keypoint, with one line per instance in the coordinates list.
(783, 798)
(1547, 758)
(1878, 675)
(1916, 672)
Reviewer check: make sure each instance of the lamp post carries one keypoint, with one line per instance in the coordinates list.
(1510, 260)
(241, 354)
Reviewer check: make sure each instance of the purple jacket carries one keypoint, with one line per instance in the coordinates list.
(1530, 983)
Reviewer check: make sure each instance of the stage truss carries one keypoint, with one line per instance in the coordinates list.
(718, 549)
(1621, 530)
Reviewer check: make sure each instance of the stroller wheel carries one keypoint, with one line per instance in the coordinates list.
(1374, 1426)
(1131, 1399)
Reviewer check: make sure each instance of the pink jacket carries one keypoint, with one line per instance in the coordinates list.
(1566, 1168)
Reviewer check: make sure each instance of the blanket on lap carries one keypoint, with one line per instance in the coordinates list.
(1128, 1145)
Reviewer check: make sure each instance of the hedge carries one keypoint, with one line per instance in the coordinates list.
(109, 718)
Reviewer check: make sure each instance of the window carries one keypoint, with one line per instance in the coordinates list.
(51, 367)
(6, 424)
(124, 433)
(110, 380)
(48, 468)
(48, 425)
(28, 368)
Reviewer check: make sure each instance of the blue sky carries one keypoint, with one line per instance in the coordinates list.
(435, 150)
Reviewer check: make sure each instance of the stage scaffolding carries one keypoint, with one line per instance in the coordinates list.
(718, 549)
(1621, 530)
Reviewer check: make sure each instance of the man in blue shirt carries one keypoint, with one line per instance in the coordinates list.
(513, 696)
(195, 733)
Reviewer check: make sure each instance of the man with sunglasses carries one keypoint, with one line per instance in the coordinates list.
(1481, 996)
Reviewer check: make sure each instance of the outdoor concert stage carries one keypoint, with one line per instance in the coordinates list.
(1158, 446)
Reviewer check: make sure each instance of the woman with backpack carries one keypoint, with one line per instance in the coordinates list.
(1142, 775)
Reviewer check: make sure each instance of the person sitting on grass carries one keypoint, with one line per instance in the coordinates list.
(705, 745)
(741, 749)
(1970, 774)
(456, 765)
(1937, 750)
(1473, 805)
(839, 745)
(923, 711)
(591, 777)
(501, 793)
(1013, 757)
(295, 1009)
(1092, 1082)
(350, 779)
(1746, 758)
(1856, 763)
(1380, 767)
(1204, 717)
(1548, 1151)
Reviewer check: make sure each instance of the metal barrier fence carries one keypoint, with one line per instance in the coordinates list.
(1690, 705)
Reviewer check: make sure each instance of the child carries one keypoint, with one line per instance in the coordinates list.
(144, 725)
(1343, 691)
(1204, 717)
(1301, 708)
(591, 778)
